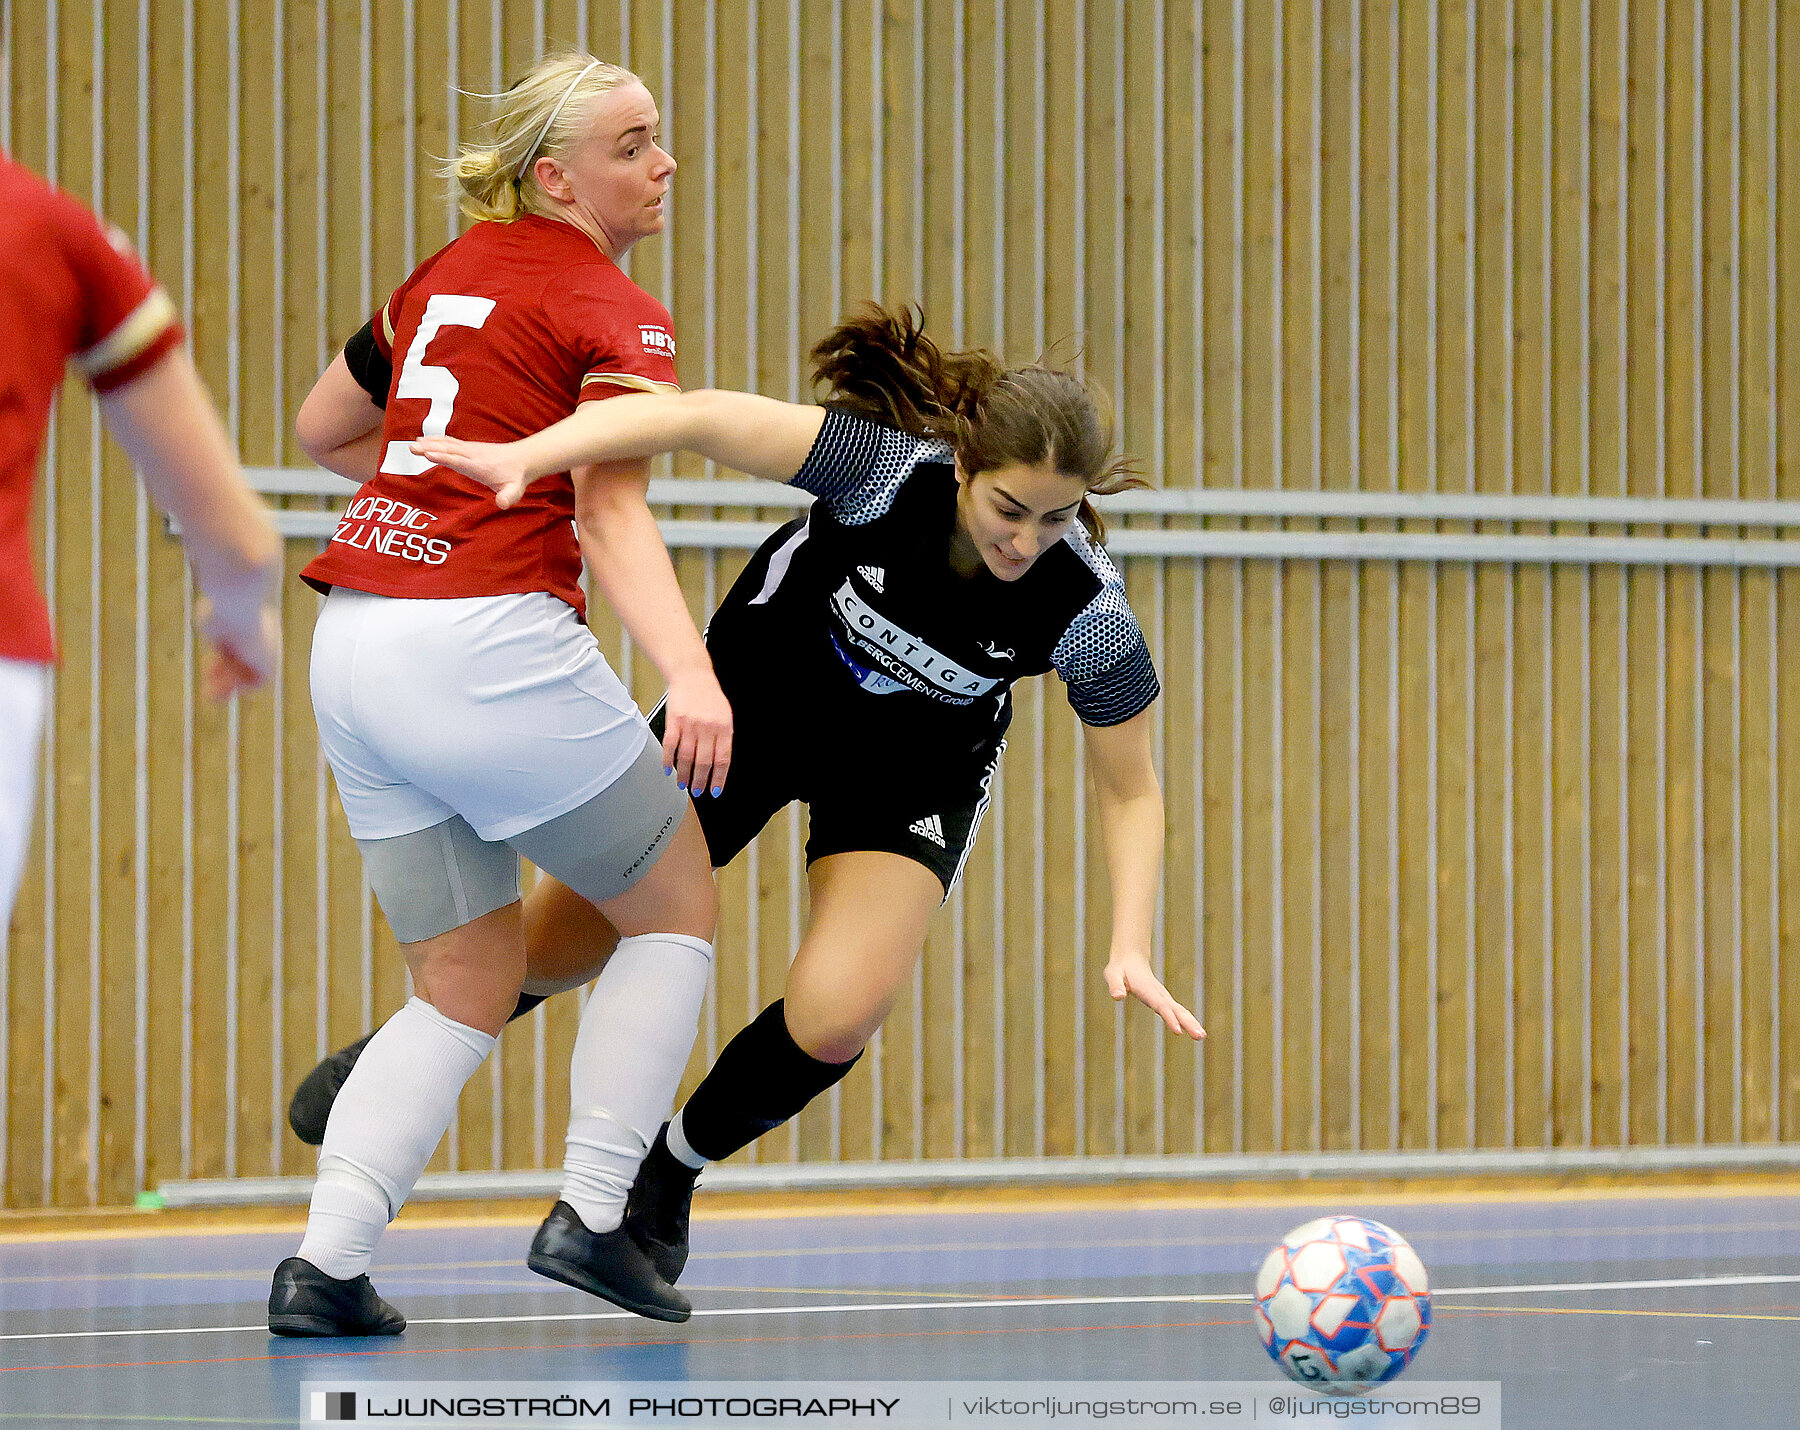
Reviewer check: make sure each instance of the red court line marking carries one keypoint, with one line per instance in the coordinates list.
(628, 1345)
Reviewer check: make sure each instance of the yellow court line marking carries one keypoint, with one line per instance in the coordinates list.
(1142, 1243)
(1604, 1311)
(241, 1273)
(1013, 1303)
(474, 1283)
(1472, 1233)
(957, 1296)
(93, 1417)
(149, 1233)
(1010, 1200)
(261, 1273)
(1004, 1201)
(915, 1248)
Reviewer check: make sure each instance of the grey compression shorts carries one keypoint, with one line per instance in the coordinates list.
(437, 879)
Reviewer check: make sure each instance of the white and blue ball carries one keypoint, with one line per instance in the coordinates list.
(1343, 1304)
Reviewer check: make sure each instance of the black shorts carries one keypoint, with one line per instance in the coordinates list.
(852, 806)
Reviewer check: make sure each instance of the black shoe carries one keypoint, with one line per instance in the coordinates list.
(311, 1107)
(304, 1301)
(657, 1211)
(607, 1264)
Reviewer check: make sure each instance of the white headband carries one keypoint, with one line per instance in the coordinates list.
(537, 143)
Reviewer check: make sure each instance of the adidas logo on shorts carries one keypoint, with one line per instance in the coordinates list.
(930, 827)
(874, 575)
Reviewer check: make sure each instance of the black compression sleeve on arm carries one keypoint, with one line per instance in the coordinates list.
(374, 374)
(762, 1078)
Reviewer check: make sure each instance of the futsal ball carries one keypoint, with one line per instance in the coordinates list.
(1343, 1304)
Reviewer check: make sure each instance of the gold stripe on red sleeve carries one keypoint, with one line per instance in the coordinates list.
(630, 381)
(142, 326)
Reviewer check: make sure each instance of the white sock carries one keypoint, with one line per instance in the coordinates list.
(636, 1033)
(23, 689)
(384, 1126)
(679, 1146)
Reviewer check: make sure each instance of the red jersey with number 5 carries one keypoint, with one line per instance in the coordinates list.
(498, 335)
(70, 288)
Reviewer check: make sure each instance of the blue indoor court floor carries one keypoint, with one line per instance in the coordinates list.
(1596, 1311)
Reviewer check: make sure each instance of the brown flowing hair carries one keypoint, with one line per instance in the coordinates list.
(881, 365)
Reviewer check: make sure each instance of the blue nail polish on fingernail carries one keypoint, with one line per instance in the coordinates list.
(668, 769)
(718, 790)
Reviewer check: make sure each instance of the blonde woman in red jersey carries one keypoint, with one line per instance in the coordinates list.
(76, 292)
(465, 707)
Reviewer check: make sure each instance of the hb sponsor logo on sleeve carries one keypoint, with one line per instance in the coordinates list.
(657, 339)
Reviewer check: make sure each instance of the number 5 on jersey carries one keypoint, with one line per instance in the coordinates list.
(419, 378)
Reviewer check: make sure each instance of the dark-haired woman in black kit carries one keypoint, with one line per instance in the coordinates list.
(869, 651)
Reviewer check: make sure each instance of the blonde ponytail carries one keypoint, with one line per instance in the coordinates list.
(542, 114)
(489, 191)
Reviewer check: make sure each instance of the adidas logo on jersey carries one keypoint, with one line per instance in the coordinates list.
(930, 827)
(874, 575)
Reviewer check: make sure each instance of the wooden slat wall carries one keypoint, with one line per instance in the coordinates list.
(1458, 856)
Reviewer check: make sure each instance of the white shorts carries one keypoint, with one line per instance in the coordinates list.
(23, 685)
(497, 708)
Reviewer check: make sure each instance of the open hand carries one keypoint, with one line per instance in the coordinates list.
(697, 724)
(490, 463)
(1131, 973)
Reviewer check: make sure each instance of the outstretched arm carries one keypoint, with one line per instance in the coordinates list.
(166, 421)
(1131, 821)
(740, 430)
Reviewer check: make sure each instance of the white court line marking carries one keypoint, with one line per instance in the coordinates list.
(1215, 1298)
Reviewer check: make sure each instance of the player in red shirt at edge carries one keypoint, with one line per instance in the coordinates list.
(468, 714)
(71, 290)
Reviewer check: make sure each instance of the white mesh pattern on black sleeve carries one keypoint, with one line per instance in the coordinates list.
(856, 467)
(1103, 656)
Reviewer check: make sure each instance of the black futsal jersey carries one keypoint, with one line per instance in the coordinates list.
(852, 621)
(870, 680)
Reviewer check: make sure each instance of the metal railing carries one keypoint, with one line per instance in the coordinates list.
(1274, 505)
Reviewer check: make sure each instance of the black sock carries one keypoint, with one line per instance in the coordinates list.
(663, 1164)
(762, 1078)
(527, 1001)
